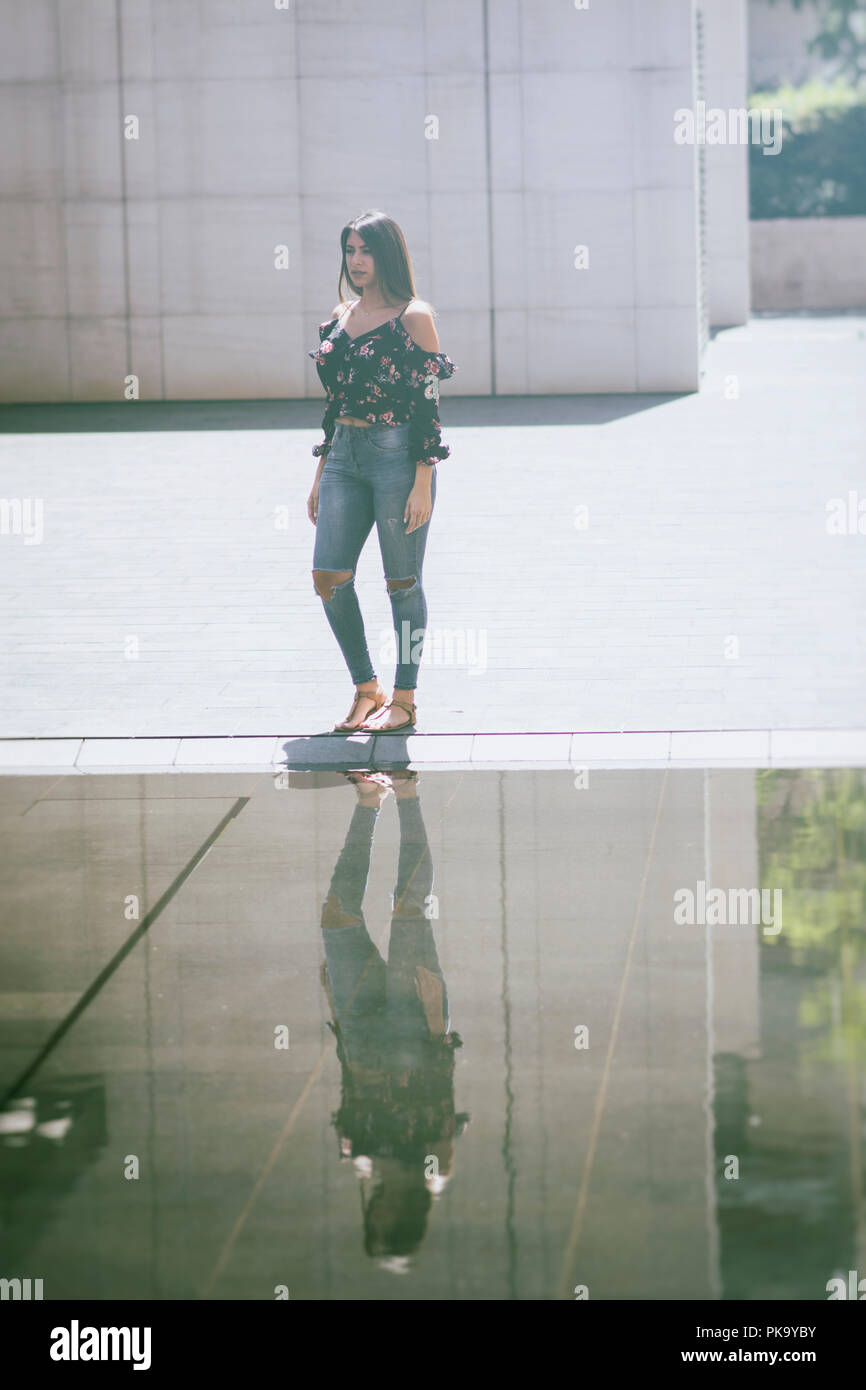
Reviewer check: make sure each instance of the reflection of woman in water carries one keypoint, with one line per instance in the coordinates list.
(396, 1118)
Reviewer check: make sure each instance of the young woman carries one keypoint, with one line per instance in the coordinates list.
(391, 1018)
(380, 365)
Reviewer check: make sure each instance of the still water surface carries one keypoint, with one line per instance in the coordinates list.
(434, 1038)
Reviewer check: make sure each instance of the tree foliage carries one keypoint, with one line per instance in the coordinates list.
(842, 36)
(820, 170)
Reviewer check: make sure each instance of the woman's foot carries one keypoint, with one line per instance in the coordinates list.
(372, 787)
(369, 699)
(398, 713)
(405, 783)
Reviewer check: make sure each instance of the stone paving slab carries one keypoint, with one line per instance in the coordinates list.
(541, 749)
(632, 748)
(596, 563)
(482, 752)
(818, 745)
(228, 752)
(146, 754)
(32, 755)
(736, 744)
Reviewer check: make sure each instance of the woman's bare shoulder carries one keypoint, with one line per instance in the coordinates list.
(419, 318)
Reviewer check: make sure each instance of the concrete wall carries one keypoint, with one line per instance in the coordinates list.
(262, 127)
(582, 114)
(778, 35)
(809, 263)
(726, 166)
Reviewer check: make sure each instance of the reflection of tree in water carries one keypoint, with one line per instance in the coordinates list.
(49, 1137)
(794, 1217)
(787, 1220)
(397, 1120)
(812, 837)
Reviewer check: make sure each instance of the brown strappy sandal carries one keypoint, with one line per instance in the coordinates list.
(409, 723)
(377, 700)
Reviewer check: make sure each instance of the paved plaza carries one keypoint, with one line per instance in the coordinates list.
(596, 563)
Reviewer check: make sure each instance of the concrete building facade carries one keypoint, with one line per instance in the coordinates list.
(173, 200)
(779, 35)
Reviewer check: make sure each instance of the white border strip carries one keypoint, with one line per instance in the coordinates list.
(678, 748)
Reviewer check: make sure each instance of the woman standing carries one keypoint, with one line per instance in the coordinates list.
(380, 365)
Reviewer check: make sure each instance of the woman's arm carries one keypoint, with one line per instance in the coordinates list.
(426, 366)
(320, 451)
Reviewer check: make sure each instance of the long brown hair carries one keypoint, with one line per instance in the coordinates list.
(390, 256)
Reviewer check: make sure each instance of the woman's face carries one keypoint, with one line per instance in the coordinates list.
(359, 261)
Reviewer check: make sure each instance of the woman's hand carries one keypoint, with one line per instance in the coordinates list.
(313, 502)
(313, 499)
(419, 503)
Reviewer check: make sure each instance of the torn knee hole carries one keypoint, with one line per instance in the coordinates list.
(396, 584)
(326, 581)
(333, 914)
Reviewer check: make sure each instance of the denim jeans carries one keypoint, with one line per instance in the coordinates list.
(376, 1004)
(367, 478)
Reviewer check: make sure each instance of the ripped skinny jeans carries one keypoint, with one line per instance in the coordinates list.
(367, 478)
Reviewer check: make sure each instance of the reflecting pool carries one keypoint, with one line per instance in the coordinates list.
(469, 1035)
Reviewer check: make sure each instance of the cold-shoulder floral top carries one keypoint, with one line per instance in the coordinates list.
(385, 377)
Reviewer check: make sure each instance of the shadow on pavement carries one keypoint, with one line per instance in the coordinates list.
(336, 752)
(119, 417)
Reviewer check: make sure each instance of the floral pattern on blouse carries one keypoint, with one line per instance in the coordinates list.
(385, 377)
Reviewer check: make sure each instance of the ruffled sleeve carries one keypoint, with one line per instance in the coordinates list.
(424, 371)
(324, 356)
(321, 354)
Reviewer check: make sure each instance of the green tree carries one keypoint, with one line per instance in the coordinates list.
(842, 35)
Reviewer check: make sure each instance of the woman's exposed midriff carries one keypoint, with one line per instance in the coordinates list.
(350, 420)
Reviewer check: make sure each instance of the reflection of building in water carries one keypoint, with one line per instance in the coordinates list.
(397, 1118)
(49, 1137)
(601, 1167)
(716, 1058)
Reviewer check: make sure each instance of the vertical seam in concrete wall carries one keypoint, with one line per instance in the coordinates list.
(635, 268)
(60, 205)
(308, 374)
(539, 1089)
(507, 1136)
(428, 195)
(489, 162)
(701, 184)
(713, 1267)
(157, 207)
(124, 209)
(152, 1151)
(747, 89)
(525, 361)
